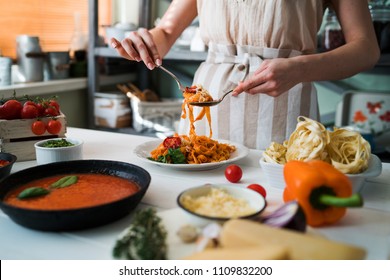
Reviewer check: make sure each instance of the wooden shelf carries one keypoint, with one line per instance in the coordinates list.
(174, 54)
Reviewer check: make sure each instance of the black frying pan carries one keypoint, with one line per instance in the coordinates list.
(75, 219)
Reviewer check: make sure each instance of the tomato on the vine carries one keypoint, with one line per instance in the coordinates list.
(30, 102)
(51, 111)
(38, 127)
(29, 112)
(54, 126)
(258, 188)
(11, 109)
(233, 173)
(54, 103)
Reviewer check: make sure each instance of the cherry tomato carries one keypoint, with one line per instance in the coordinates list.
(53, 126)
(51, 111)
(29, 102)
(172, 142)
(258, 188)
(29, 112)
(11, 110)
(41, 109)
(38, 127)
(233, 173)
(54, 103)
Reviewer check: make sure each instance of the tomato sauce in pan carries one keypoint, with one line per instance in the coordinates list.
(89, 190)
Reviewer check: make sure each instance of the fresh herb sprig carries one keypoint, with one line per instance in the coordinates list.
(145, 239)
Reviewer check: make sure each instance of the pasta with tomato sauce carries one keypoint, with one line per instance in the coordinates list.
(193, 148)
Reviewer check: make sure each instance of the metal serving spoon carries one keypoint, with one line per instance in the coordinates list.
(216, 102)
(210, 103)
(180, 85)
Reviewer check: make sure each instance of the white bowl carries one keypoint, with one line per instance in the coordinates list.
(274, 174)
(46, 155)
(253, 198)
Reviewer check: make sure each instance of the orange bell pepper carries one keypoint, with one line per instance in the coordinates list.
(320, 189)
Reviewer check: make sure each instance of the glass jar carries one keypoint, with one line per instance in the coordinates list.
(332, 36)
(380, 13)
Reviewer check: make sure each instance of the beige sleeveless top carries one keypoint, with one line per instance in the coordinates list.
(240, 34)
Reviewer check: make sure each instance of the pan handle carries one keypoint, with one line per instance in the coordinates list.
(36, 55)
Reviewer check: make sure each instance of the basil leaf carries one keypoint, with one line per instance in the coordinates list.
(64, 182)
(176, 156)
(32, 192)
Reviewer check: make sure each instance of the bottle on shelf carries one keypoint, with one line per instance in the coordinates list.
(78, 49)
(332, 36)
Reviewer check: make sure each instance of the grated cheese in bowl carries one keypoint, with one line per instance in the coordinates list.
(214, 202)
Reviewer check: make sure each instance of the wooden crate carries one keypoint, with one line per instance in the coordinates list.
(17, 138)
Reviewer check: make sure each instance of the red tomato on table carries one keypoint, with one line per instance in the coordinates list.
(258, 188)
(233, 173)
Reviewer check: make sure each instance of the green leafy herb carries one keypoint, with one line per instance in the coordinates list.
(57, 143)
(177, 156)
(145, 239)
(33, 192)
(64, 182)
(174, 156)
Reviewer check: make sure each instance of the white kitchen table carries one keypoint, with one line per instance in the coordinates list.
(367, 227)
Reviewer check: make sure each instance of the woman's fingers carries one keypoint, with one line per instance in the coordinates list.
(152, 48)
(273, 77)
(119, 48)
(139, 46)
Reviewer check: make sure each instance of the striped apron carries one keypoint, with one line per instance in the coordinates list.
(252, 120)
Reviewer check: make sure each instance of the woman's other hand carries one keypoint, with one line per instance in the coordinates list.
(139, 46)
(273, 77)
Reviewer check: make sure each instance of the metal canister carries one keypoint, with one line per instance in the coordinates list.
(5, 71)
(30, 58)
(58, 65)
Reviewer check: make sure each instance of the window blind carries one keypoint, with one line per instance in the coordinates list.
(52, 21)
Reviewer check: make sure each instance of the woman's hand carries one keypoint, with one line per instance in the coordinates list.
(139, 46)
(274, 77)
(151, 45)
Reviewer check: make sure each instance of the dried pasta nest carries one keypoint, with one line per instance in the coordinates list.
(308, 142)
(349, 151)
(346, 150)
(275, 153)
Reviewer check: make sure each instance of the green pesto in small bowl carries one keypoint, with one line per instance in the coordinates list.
(58, 143)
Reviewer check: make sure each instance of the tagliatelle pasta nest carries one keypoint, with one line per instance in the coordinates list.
(275, 153)
(349, 151)
(346, 150)
(308, 141)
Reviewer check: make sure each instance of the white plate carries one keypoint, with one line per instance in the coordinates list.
(143, 152)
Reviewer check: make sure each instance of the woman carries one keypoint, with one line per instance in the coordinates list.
(275, 41)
